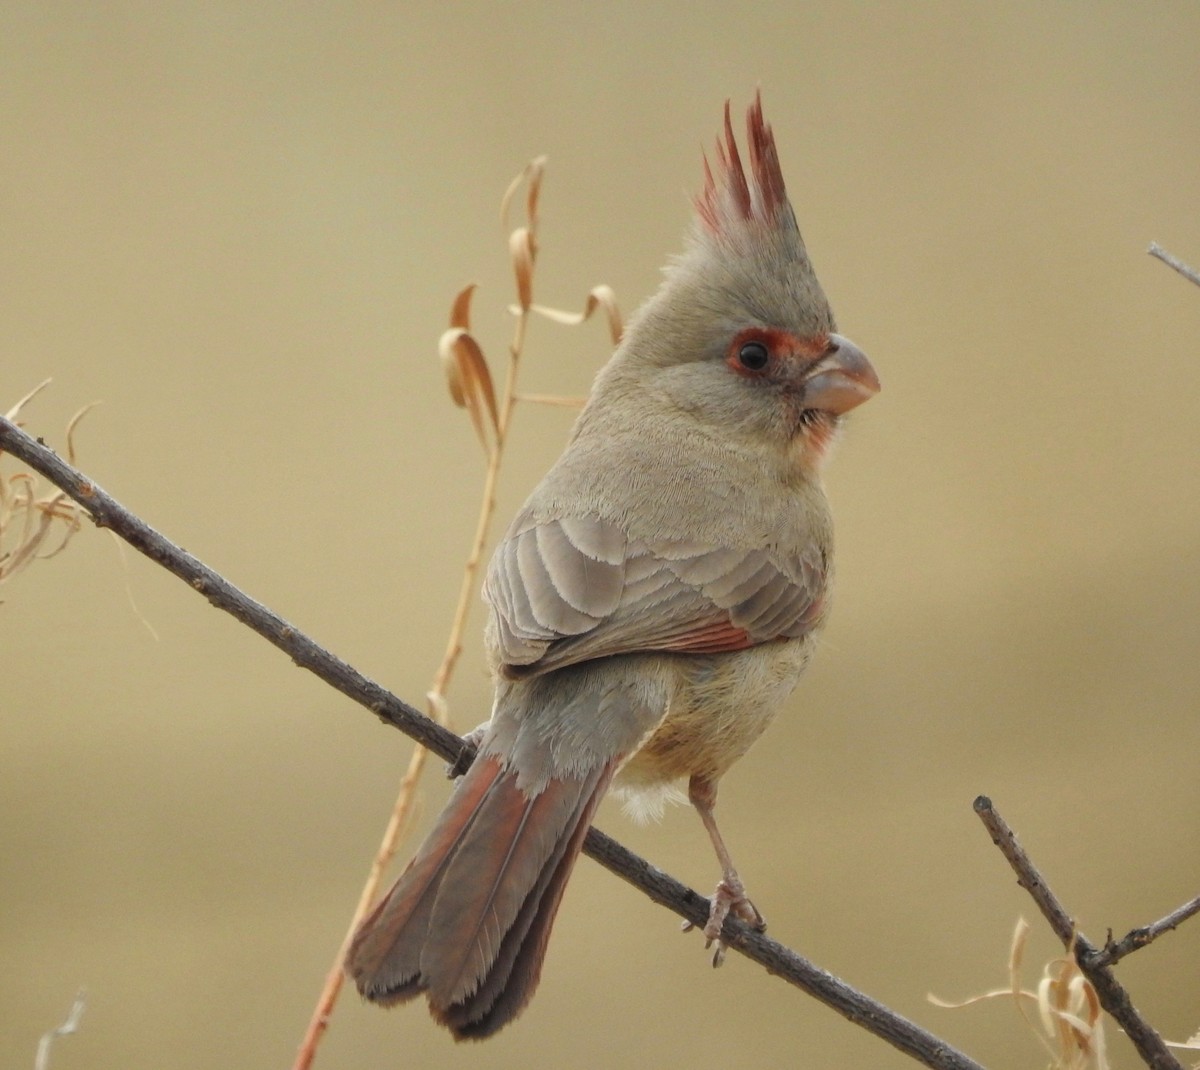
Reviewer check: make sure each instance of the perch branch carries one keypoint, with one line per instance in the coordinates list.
(471, 387)
(859, 1008)
(1112, 995)
(106, 512)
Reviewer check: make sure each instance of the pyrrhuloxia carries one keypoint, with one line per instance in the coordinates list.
(653, 603)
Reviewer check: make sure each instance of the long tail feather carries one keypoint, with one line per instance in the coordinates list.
(384, 957)
(468, 920)
(513, 978)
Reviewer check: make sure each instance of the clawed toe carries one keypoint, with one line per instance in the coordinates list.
(728, 898)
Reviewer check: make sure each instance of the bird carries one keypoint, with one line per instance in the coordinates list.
(652, 604)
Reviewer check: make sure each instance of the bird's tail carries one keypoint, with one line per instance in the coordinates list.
(468, 920)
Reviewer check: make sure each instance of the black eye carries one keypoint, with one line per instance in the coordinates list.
(754, 356)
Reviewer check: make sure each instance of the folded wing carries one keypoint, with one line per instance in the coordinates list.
(570, 590)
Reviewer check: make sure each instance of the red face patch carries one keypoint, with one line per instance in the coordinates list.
(757, 352)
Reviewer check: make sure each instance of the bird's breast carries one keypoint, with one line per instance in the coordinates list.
(718, 706)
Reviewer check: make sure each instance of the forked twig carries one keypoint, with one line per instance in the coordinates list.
(1112, 994)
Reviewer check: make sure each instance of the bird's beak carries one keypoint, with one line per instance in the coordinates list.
(841, 380)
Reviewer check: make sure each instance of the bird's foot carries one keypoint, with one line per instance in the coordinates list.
(729, 898)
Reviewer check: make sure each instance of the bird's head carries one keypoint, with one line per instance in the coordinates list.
(740, 335)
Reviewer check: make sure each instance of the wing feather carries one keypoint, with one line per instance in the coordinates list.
(570, 590)
(598, 539)
(587, 583)
(742, 581)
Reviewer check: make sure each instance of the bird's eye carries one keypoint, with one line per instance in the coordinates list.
(754, 356)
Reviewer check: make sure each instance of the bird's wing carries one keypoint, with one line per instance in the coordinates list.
(574, 589)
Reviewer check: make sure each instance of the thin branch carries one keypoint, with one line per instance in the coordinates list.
(1188, 272)
(1147, 934)
(1027, 876)
(658, 886)
(106, 512)
(777, 959)
(471, 387)
(335, 976)
(1111, 993)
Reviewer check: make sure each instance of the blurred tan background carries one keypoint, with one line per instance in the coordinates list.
(241, 226)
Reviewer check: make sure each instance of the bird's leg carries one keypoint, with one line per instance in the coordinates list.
(730, 895)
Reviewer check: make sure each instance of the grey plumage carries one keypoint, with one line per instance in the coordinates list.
(652, 604)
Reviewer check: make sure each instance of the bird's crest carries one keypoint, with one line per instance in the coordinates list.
(745, 231)
(732, 202)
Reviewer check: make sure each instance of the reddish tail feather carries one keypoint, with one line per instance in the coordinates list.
(468, 920)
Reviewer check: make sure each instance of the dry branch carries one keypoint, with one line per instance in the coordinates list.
(1114, 951)
(1113, 996)
(471, 387)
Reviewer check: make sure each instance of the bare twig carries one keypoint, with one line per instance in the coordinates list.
(69, 1025)
(1113, 996)
(658, 886)
(335, 977)
(1188, 272)
(1027, 876)
(1114, 951)
(471, 388)
(106, 512)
